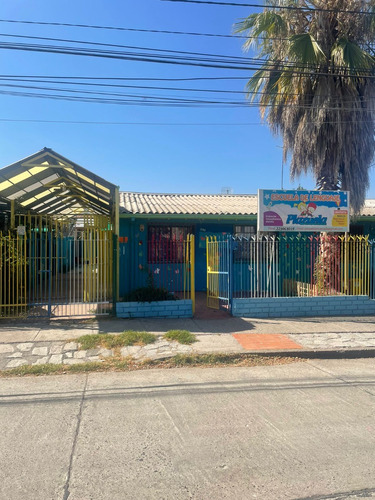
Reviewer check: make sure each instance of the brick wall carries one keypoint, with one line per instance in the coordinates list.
(282, 307)
(161, 309)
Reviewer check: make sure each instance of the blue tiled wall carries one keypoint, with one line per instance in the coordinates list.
(282, 307)
(162, 309)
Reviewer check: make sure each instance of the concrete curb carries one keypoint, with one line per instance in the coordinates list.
(293, 353)
(319, 353)
(335, 353)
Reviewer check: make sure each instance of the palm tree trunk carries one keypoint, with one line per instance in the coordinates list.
(327, 265)
(327, 272)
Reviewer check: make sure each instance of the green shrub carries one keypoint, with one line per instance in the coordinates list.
(131, 337)
(110, 341)
(181, 336)
(90, 341)
(149, 294)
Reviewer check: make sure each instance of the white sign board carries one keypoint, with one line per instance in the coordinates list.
(303, 211)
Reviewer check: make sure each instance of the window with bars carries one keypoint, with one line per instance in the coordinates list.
(244, 231)
(356, 229)
(243, 248)
(166, 244)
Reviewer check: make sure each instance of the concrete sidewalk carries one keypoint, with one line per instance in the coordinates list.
(44, 341)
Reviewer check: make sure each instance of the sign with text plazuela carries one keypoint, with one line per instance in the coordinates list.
(303, 210)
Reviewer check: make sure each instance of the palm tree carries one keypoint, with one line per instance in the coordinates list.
(316, 87)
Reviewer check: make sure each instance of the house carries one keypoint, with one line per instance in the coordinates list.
(72, 245)
(147, 217)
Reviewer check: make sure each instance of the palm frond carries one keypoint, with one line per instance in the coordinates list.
(350, 55)
(323, 107)
(266, 23)
(305, 49)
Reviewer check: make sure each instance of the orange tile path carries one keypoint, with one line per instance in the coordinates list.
(265, 341)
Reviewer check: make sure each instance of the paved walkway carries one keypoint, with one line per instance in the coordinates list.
(36, 343)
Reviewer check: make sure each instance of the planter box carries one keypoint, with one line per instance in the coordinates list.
(159, 309)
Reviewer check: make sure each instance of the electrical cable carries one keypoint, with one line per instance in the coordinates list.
(124, 46)
(130, 78)
(176, 60)
(158, 124)
(281, 7)
(242, 92)
(173, 102)
(235, 59)
(116, 28)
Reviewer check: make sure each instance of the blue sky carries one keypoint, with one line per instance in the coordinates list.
(154, 158)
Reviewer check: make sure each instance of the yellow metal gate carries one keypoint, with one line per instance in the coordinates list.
(13, 275)
(219, 264)
(56, 271)
(189, 269)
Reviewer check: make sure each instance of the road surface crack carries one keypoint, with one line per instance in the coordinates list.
(346, 381)
(75, 439)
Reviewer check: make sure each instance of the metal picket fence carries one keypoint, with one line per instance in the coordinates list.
(290, 266)
(49, 274)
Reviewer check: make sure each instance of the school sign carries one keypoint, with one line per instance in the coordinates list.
(303, 210)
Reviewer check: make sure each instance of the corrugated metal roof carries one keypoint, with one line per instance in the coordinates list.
(199, 204)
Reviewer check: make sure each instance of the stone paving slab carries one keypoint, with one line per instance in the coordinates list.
(17, 354)
(68, 353)
(51, 341)
(331, 340)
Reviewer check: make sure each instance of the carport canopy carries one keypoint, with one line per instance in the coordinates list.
(47, 183)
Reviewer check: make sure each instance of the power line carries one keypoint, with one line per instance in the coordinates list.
(153, 49)
(279, 7)
(130, 78)
(184, 61)
(173, 89)
(117, 28)
(142, 101)
(106, 85)
(234, 59)
(158, 124)
(168, 32)
(125, 56)
(101, 93)
(160, 101)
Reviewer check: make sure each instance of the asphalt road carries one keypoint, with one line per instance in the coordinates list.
(299, 431)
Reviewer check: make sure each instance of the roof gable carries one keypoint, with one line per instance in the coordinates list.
(46, 182)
